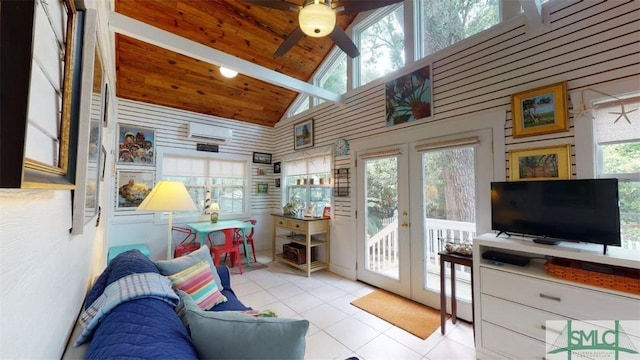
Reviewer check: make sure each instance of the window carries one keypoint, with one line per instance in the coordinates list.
(299, 105)
(307, 183)
(442, 23)
(333, 74)
(381, 44)
(617, 135)
(224, 178)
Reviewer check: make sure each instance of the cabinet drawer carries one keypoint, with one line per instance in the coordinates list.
(280, 222)
(559, 298)
(519, 318)
(299, 226)
(510, 344)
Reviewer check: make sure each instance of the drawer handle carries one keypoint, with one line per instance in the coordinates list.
(543, 327)
(297, 225)
(549, 297)
(280, 223)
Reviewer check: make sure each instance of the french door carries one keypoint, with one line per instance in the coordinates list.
(383, 218)
(412, 198)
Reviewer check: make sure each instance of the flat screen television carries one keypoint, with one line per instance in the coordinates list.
(557, 210)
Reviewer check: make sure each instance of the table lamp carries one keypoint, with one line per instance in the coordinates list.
(168, 196)
(214, 212)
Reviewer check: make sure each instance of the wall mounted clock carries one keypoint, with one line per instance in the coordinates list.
(340, 147)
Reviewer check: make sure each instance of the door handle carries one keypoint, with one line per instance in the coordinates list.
(404, 224)
(405, 213)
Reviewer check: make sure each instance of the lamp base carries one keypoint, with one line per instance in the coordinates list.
(214, 217)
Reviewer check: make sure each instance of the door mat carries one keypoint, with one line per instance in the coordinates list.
(413, 317)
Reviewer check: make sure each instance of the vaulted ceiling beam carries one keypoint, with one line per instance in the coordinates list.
(138, 30)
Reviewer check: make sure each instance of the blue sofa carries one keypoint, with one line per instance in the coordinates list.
(140, 321)
(145, 327)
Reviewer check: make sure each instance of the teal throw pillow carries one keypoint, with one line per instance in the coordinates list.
(174, 266)
(231, 335)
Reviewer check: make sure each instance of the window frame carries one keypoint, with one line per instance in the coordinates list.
(588, 152)
(161, 217)
(374, 17)
(308, 156)
(329, 63)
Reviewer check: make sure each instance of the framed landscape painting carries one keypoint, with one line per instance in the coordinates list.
(547, 163)
(540, 111)
(303, 135)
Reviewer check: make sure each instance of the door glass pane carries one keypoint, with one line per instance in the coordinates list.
(449, 211)
(381, 216)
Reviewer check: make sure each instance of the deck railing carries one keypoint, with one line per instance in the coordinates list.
(383, 246)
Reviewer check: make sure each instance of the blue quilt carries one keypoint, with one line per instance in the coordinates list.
(145, 328)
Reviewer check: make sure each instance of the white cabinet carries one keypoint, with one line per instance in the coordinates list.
(513, 303)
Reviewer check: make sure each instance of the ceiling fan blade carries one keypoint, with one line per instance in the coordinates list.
(349, 7)
(275, 4)
(291, 40)
(343, 41)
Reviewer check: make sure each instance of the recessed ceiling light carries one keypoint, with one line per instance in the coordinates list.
(228, 73)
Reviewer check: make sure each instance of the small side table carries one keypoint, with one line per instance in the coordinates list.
(452, 259)
(117, 250)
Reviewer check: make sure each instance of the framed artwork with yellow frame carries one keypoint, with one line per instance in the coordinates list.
(540, 111)
(545, 163)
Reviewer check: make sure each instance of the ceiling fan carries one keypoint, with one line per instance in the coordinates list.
(317, 18)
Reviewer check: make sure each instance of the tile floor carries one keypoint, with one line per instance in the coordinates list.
(339, 330)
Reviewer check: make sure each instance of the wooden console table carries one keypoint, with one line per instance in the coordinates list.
(300, 230)
(452, 259)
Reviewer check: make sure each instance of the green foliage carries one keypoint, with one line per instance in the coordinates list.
(381, 191)
(624, 159)
(446, 22)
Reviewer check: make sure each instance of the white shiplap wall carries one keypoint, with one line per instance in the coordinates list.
(171, 127)
(585, 43)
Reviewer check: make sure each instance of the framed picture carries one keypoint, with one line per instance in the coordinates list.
(136, 145)
(39, 103)
(103, 162)
(261, 158)
(105, 118)
(326, 212)
(89, 160)
(133, 187)
(408, 98)
(546, 163)
(276, 167)
(277, 182)
(540, 111)
(303, 135)
(263, 188)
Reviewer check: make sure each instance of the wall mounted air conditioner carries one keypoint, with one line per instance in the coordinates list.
(209, 134)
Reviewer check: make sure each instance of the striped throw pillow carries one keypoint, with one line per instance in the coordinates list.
(198, 282)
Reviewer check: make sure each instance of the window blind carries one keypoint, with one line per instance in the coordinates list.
(310, 165)
(381, 153)
(611, 126)
(448, 144)
(201, 167)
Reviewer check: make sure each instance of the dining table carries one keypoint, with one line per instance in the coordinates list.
(204, 228)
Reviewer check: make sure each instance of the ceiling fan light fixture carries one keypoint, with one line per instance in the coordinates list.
(317, 20)
(228, 73)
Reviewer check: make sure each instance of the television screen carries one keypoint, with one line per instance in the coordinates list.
(575, 210)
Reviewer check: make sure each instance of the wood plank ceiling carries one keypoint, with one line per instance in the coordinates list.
(151, 74)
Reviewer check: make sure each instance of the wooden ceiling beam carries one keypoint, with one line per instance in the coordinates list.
(136, 29)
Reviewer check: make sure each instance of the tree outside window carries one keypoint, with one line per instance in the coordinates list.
(382, 46)
(443, 23)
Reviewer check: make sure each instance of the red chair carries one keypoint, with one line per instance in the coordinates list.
(238, 240)
(227, 248)
(189, 242)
